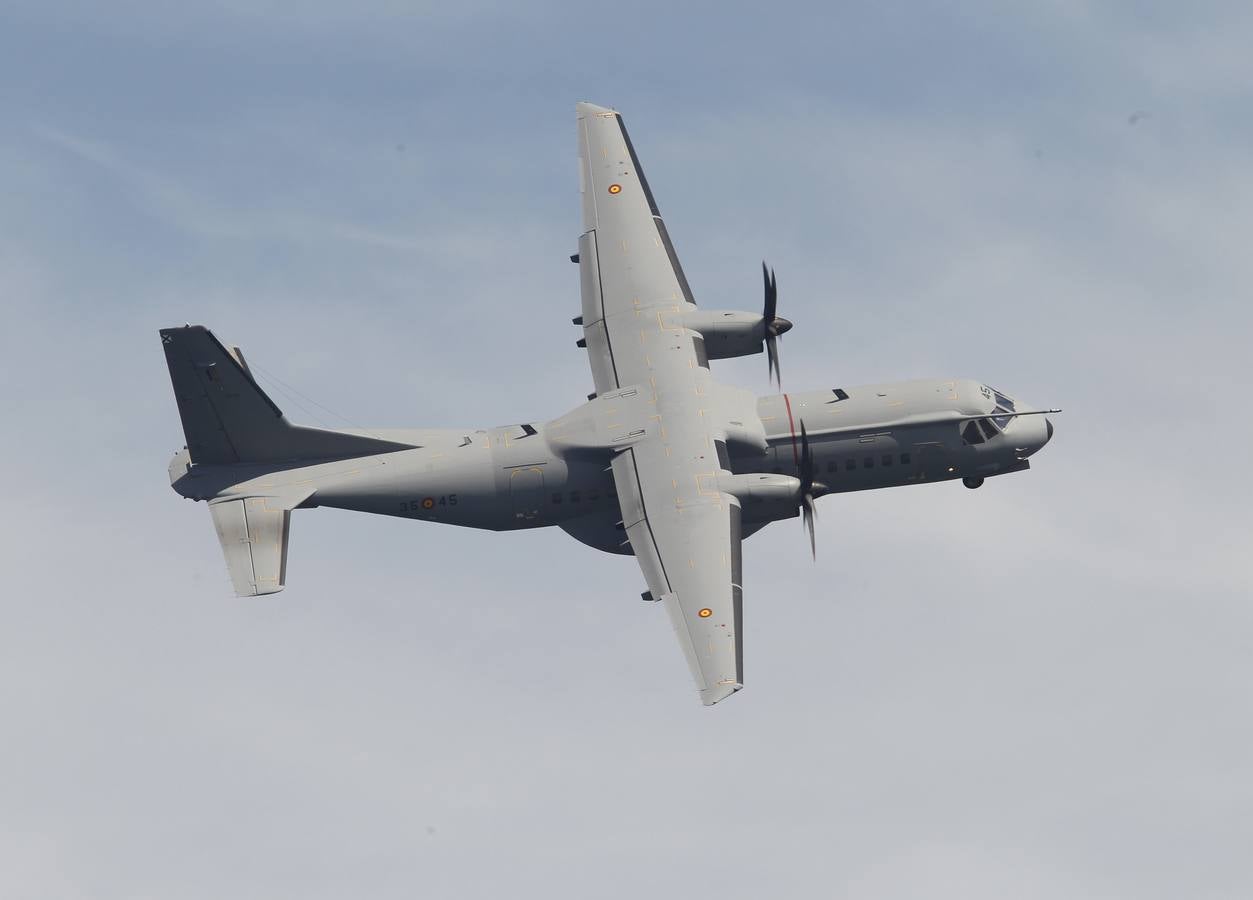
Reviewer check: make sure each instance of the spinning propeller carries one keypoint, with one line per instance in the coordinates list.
(810, 490)
(776, 325)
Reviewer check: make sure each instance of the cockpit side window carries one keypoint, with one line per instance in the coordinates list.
(971, 435)
(989, 430)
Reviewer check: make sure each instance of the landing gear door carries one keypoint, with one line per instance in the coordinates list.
(526, 487)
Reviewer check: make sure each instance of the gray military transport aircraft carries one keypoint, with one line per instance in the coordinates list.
(662, 461)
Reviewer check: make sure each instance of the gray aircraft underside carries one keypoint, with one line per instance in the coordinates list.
(666, 463)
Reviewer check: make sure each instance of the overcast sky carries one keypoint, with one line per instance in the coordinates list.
(1040, 689)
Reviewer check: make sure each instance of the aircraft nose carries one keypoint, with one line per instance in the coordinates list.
(1034, 432)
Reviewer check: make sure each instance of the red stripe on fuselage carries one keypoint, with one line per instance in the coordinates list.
(796, 457)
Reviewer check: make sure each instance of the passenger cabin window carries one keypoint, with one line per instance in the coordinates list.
(556, 498)
(904, 459)
(868, 462)
(850, 465)
(887, 459)
(575, 496)
(832, 466)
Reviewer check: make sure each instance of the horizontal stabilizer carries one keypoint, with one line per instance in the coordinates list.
(227, 418)
(253, 532)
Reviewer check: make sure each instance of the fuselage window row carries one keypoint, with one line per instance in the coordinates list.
(867, 463)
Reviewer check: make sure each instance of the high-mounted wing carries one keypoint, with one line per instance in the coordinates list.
(684, 531)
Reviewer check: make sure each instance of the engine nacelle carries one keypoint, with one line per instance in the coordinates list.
(727, 333)
(763, 497)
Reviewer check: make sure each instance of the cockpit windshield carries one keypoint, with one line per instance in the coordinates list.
(977, 431)
(1003, 405)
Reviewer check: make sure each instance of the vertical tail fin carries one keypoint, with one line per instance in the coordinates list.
(227, 418)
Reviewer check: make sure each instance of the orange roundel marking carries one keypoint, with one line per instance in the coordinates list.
(428, 503)
(705, 613)
(615, 189)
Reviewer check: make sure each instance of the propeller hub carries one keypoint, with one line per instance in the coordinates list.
(779, 325)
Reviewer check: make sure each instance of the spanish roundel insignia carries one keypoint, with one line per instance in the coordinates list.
(705, 613)
(428, 502)
(615, 188)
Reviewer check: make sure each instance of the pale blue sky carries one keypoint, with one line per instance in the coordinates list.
(1039, 689)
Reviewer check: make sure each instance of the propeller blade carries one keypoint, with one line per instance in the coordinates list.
(810, 491)
(806, 463)
(772, 294)
(809, 513)
(773, 324)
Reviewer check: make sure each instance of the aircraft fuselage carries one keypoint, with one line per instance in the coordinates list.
(512, 477)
